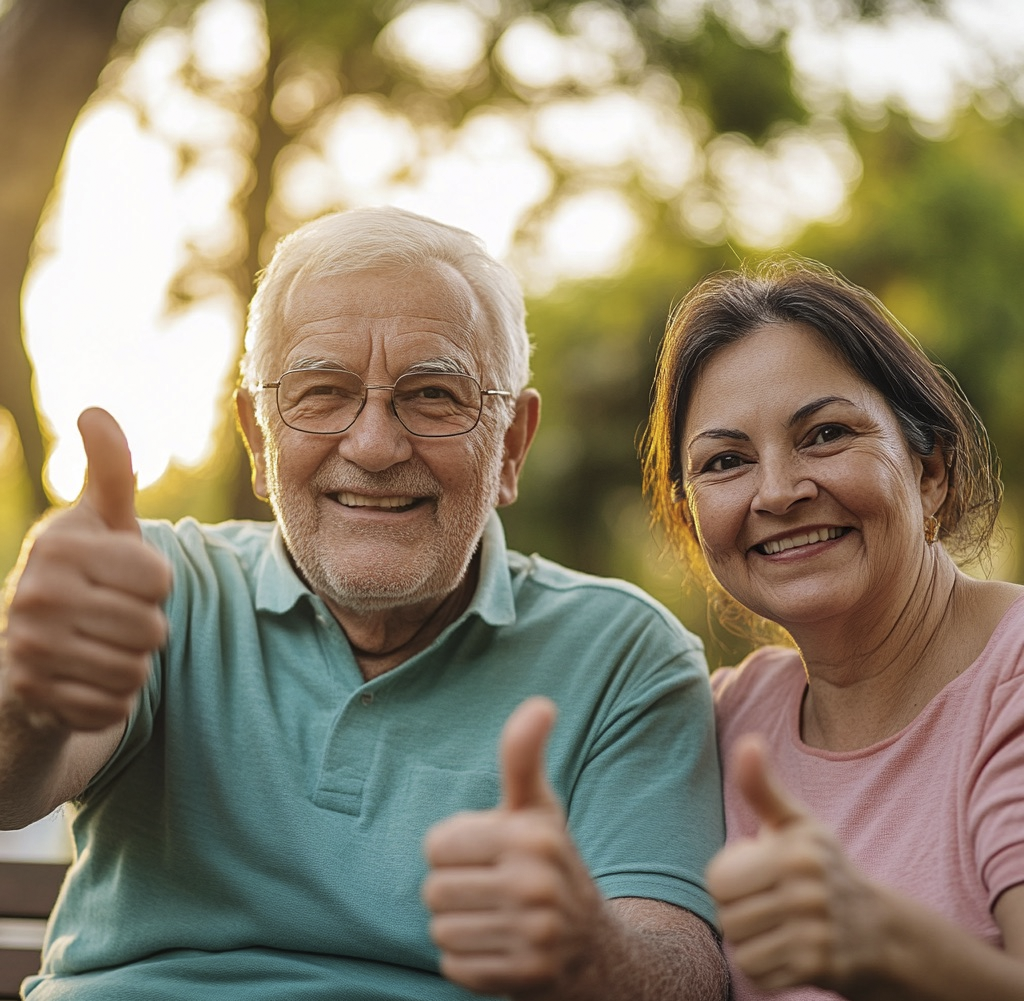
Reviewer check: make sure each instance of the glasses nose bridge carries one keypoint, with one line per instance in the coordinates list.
(390, 390)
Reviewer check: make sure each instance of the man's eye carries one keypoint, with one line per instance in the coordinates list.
(434, 392)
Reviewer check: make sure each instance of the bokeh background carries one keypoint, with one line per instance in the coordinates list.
(611, 151)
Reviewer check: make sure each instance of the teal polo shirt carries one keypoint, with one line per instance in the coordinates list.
(258, 833)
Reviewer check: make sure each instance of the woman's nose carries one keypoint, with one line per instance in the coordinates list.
(781, 484)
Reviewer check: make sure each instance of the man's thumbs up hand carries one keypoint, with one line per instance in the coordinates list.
(109, 489)
(514, 908)
(524, 784)
(793, 909)
(84, 612)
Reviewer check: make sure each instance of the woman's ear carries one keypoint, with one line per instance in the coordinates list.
(252, 433)
(934, 481)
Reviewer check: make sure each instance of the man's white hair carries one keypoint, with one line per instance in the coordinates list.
(388, 238)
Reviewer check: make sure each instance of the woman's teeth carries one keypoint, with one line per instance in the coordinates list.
(780, 545)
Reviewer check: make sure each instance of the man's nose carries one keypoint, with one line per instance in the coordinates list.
(376, 439)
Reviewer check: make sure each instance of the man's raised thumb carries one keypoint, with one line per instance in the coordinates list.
(524, 738)
(109, 481)
(760, 786)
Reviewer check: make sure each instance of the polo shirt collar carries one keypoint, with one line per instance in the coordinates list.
(493, 600)
(279, 588)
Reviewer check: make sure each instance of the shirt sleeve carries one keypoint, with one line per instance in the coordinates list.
(646, 808)
(996, 812)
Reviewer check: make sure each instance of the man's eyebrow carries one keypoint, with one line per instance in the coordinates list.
(443, 364)
(448, 366)
(307, 364)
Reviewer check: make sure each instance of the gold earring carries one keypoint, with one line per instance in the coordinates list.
(931, 529)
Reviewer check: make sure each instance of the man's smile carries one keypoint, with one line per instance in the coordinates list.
(396, 503)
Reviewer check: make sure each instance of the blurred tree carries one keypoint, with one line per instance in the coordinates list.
(322, 55)
(320, 52)
(51, 55)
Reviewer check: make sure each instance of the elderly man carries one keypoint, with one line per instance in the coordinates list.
(282, 740)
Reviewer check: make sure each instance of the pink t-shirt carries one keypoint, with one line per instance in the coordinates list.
(936, 811)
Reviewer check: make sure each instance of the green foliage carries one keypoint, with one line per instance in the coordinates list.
(595, 349)
(739, 87)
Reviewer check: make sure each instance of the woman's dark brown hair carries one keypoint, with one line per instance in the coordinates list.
(927, 401)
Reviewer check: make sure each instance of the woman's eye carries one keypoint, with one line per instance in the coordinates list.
(828, 433)
(720, 463)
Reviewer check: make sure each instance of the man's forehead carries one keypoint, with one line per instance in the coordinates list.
(434, 292)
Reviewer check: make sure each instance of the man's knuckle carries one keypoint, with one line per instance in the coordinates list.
(547, 929)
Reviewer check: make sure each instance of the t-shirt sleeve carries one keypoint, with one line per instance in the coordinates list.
(646, 809)
(997, 799)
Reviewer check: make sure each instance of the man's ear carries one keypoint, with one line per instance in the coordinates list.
(245, 408)
(934, 481)
(518, 439)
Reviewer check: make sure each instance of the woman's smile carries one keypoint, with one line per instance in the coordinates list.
(799, 540)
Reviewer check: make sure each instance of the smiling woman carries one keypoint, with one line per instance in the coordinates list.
(812, 464)
(806, 496)
(860, 335)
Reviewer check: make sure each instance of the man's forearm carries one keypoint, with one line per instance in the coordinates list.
(647, 950)
(30, 760)
(42, 765)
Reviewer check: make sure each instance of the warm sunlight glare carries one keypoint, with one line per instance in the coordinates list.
(94, 311)
(95, 303)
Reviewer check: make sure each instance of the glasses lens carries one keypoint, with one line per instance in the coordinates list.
(435, 405)
(320, 401)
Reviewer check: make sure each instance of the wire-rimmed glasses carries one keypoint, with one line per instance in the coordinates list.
(428, 404)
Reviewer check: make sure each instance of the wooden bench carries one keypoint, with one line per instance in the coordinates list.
(27, 893)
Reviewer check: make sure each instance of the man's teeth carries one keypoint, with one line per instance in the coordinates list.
(361, 500)
(780, 545)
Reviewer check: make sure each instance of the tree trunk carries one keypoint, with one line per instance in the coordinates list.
(51, 55)
(271, 139)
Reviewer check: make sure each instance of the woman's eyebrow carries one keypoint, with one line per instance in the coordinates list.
(732, 434)
(814, 406)
(729, 434)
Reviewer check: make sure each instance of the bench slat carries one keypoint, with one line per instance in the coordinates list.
(27, 894)
(15, 966)
(28, 889)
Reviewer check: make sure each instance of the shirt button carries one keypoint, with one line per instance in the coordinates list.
(366, 698)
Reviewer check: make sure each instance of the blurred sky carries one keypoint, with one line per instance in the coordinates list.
(94, 304)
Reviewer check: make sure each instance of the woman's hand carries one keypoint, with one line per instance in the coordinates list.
(792, 907)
